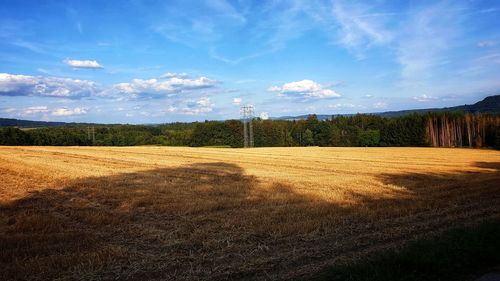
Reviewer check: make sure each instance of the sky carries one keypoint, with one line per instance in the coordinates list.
(165, 61)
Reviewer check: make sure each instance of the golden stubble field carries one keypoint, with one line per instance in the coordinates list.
(137, 213)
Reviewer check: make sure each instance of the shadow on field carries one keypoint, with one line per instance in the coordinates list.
(212, 221)
(164, 223)
(488, 165)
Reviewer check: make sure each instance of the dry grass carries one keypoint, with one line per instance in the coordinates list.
(198, 213)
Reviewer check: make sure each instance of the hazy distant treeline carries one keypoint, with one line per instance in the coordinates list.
(432, 129)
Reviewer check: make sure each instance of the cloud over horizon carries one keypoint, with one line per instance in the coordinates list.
(168, 84)
(305, 89)
(64, 111)
(280, 56)
(26, 85)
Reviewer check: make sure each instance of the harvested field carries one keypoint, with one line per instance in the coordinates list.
(180, 213)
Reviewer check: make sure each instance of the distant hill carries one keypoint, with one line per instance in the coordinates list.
(6, 122)
(489, 104)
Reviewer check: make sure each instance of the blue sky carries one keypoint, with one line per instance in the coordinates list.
(164, 61)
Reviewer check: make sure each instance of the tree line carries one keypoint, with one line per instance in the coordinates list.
(449, 129)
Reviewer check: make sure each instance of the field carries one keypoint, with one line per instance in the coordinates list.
(214, 213)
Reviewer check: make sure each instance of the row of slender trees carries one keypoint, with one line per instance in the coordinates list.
(449, 129)
(454, 130)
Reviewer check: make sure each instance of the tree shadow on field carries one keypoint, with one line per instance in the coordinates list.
(488, 165)
(213, 221)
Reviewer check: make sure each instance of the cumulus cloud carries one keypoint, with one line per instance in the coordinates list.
(264, 115)
(93, 64)
(69, 112)
(25, 85)
(424, 98)
(168, 84)
(203, 105)
(236, 101)
(305, 89)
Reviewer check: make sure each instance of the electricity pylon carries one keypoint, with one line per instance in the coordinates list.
(246, 113)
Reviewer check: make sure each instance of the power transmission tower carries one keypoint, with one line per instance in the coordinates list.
(246, 113)
(245, 135)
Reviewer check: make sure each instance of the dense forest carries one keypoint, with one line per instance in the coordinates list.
(448, 129)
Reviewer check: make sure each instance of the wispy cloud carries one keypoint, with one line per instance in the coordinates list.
(358, 28)
(427, 35)
(34, 47)
(92, 64)
(213, 54)
(64, 111)
(8, 109)
(344, 106)
(379, 105)
(34, 110)
(425, 98)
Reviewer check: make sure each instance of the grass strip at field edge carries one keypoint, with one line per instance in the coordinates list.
(457, 254)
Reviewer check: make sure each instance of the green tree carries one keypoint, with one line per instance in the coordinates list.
(307, 138)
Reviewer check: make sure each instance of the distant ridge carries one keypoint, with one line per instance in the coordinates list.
(8, 122)
(489, 104)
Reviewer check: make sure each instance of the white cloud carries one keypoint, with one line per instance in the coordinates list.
(169, 85)
(171, 109)
(424, 98)
(237, 101)
(305, 89)
(25, 85)
(203, 105)
(34, 110)
(174, 74)
(343, 106)
(274, 89)
(69, 112)
(264, 115)
(380, 104)
(83, 63)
